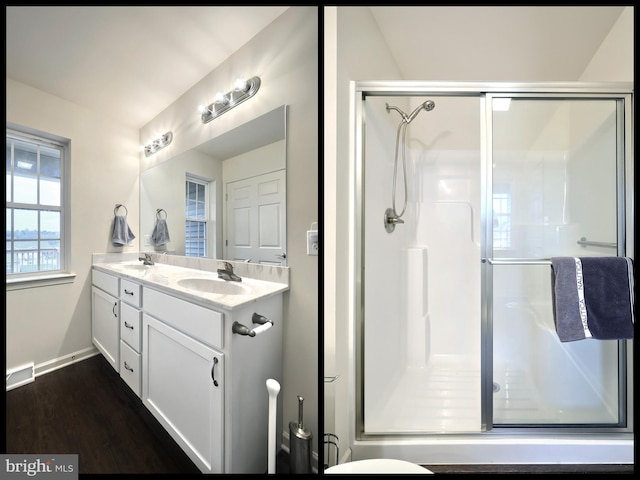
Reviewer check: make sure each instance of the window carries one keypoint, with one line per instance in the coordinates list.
(195, 242)
(35, 200)
(501, 219)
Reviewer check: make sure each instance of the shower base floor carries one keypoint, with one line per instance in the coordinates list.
(518, 401)
(443, 396)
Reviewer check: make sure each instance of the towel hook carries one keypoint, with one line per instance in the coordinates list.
(159, 212)
(118, 205)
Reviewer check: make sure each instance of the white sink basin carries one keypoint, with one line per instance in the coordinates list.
(135, 266)
(212, 285)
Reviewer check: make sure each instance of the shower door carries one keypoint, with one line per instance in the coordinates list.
(555, 187)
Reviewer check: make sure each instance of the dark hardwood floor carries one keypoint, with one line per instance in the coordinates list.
(86, 409)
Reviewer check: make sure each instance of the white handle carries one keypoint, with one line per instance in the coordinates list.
(273, 387)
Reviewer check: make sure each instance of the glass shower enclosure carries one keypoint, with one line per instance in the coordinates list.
(454, 319)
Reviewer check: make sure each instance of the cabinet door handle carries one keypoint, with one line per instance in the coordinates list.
(114, 309)
(127, 325)
(213, 375)
(128, 367)
(128, 292)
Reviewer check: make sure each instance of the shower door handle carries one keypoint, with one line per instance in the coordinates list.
(517, 261)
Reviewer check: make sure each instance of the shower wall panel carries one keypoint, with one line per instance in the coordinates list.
(422, 281)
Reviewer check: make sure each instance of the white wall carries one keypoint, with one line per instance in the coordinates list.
(613, 62)
(45, 324)
(285, 57)
(359, 53)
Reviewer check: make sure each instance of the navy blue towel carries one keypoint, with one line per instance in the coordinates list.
(592, 297)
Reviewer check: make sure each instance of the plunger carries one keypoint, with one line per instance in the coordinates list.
(273, 387)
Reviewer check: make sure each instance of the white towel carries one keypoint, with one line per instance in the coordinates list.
(160, 235)
(122, 234)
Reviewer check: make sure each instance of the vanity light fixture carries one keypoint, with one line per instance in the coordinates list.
(243, 89)
(158, 144)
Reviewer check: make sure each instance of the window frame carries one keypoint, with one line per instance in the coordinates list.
(62, 274)
(204, 221)
(502, 219)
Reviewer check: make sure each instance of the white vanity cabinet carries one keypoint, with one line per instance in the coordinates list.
(207, 385)
(177, 350)
(105, 314)
(116, 324)
(131, 334)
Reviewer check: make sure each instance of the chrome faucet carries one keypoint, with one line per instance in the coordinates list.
(227, 274)
(146, 260)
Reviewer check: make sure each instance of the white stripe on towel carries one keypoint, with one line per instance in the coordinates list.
(581, 303)
(630, 273)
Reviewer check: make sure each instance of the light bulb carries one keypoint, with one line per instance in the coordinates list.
(241, 84)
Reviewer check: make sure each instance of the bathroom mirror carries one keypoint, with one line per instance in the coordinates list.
(223, 199)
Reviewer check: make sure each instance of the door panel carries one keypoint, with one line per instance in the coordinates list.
(256, 219)
(553, 180)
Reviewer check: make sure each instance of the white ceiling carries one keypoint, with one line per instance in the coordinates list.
(128, 62)
(133, 62)
(512, 43)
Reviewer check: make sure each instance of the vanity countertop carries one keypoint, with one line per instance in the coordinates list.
(175, 280)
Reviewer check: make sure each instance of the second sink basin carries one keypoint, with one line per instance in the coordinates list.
(211, 285)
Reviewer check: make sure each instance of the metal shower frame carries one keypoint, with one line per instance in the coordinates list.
(622, 92)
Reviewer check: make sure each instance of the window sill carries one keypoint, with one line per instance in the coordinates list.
(39, 281)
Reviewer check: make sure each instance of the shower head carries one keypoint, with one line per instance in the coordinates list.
(428, 106)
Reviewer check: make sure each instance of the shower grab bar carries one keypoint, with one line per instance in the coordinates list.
(517, 261)
(587, 243)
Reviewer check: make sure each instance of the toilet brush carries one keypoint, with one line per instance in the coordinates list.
(273, 387)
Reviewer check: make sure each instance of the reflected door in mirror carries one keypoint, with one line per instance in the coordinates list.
(256, 219)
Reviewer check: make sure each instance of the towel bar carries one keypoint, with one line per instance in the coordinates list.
(587, 243)
(517, 261)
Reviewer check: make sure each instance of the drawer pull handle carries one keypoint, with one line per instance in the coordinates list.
(114, 309)
(127, 325)
(128, 292)
(128, 367)
(213, 375)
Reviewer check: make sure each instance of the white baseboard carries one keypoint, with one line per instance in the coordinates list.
(66, 360)
(18, 376)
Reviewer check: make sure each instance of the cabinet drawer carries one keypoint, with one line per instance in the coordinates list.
(201, 323)
(106, 282)
(130, 326)
(130, 292)
(130, 367)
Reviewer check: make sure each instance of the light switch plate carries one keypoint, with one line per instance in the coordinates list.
(312, 242)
